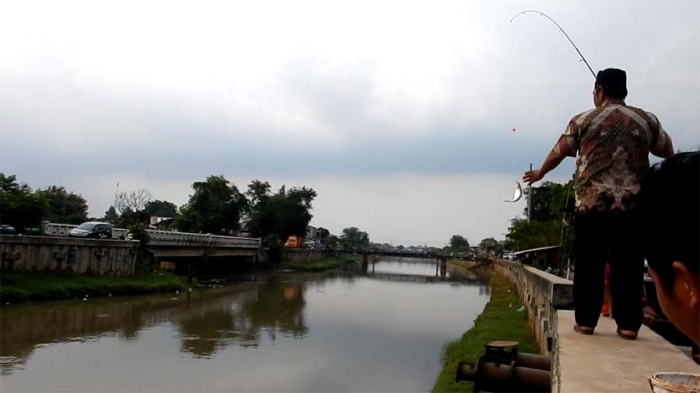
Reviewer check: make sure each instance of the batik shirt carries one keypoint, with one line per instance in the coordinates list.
(613, 143)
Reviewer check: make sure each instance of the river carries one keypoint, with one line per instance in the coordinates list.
(289, 332)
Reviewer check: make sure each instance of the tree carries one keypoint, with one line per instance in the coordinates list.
(65, 207)
(549, 203)
(332, 241)
(215, 207)
(459, 243)
(19, 206)
(283, 214)
(160, 208)
(490, 244)
(135, 201)
(111, 215)
(354, 239)
(132, 218)
(323, 234)
(549, 200)
(258, 193)
(536, 234)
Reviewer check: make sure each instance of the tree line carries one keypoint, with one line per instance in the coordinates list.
(216, 206)
(459, 243)
(548, 223)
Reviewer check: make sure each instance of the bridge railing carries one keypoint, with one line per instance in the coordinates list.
(56, 229)
(166, 238)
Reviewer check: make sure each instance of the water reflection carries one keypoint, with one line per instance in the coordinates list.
(322, 325)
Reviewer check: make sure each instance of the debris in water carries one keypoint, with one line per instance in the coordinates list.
(521, 309)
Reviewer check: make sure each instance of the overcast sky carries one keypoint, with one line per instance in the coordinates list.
(399, 114)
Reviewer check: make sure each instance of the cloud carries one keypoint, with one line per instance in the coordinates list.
(171, 92)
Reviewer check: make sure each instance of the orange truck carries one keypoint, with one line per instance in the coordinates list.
(294, 242)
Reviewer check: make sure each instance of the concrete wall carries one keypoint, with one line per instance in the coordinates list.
(301, 256)
(53, 254)
(542, 294)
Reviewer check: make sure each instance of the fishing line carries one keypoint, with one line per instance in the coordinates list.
(560, 29)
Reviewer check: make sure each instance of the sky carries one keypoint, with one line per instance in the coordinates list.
(399, 114)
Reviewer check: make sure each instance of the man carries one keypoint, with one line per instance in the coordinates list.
(669, 213)
(613, 142)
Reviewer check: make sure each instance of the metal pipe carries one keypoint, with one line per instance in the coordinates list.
(499, 370)
(493, 377)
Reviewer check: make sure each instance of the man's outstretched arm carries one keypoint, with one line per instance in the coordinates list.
(567, 146)
(552, 161)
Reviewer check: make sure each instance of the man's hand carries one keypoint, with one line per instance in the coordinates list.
(532, 176)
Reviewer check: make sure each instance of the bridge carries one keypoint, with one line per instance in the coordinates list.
(167, 244)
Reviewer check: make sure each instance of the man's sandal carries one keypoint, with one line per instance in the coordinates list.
(626, 336)
(584, 330)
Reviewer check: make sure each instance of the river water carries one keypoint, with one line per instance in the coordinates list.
(380, 331)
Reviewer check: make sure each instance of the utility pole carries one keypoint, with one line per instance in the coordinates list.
(529, 200)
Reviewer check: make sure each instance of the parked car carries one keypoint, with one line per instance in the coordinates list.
(92, 229)
(7, 230)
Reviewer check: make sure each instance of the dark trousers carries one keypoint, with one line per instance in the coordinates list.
(608, 238)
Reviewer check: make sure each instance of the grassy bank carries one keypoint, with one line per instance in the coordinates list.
(330, 263)
(18, 287)
(499, 321)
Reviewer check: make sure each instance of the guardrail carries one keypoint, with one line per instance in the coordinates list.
(55, 229)
(167, 238)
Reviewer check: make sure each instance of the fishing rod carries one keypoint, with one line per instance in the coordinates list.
(560, 29)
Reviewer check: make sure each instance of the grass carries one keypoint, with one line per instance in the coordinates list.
(498, 321)
(330, 263)
(19, 287)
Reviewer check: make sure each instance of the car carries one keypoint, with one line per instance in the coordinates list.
(92, 229)
(7, 230)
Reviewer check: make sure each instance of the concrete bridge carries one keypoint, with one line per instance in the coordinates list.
(168, 244)
(58, 252)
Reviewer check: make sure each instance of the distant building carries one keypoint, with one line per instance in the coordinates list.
(312, 233)
(161, 223)
(244, 229)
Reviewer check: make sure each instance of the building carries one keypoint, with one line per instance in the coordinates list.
(161, 223)
(311, 233)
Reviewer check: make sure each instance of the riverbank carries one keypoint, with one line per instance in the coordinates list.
(500, 320)
(330, 263)
(18, 287)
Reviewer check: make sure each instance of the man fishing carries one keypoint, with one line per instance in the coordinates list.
(613, 142)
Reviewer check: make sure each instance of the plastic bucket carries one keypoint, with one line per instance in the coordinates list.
(675, 383)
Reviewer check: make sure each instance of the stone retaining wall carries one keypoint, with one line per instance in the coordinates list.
(542, 294)
(57, 254)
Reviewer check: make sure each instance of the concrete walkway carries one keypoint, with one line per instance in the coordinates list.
(605, 363)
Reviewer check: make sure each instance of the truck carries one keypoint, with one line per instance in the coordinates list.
(294, 242)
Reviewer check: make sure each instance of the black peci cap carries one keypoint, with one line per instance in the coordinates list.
(613, 81)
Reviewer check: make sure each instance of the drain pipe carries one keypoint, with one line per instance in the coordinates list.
(499, 370)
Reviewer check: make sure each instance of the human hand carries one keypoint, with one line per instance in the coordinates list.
(532, 176)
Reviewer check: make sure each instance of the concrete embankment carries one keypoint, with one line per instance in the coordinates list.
(47, 254)
(602, 362)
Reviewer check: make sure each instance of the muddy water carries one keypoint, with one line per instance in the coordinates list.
(334, 332)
